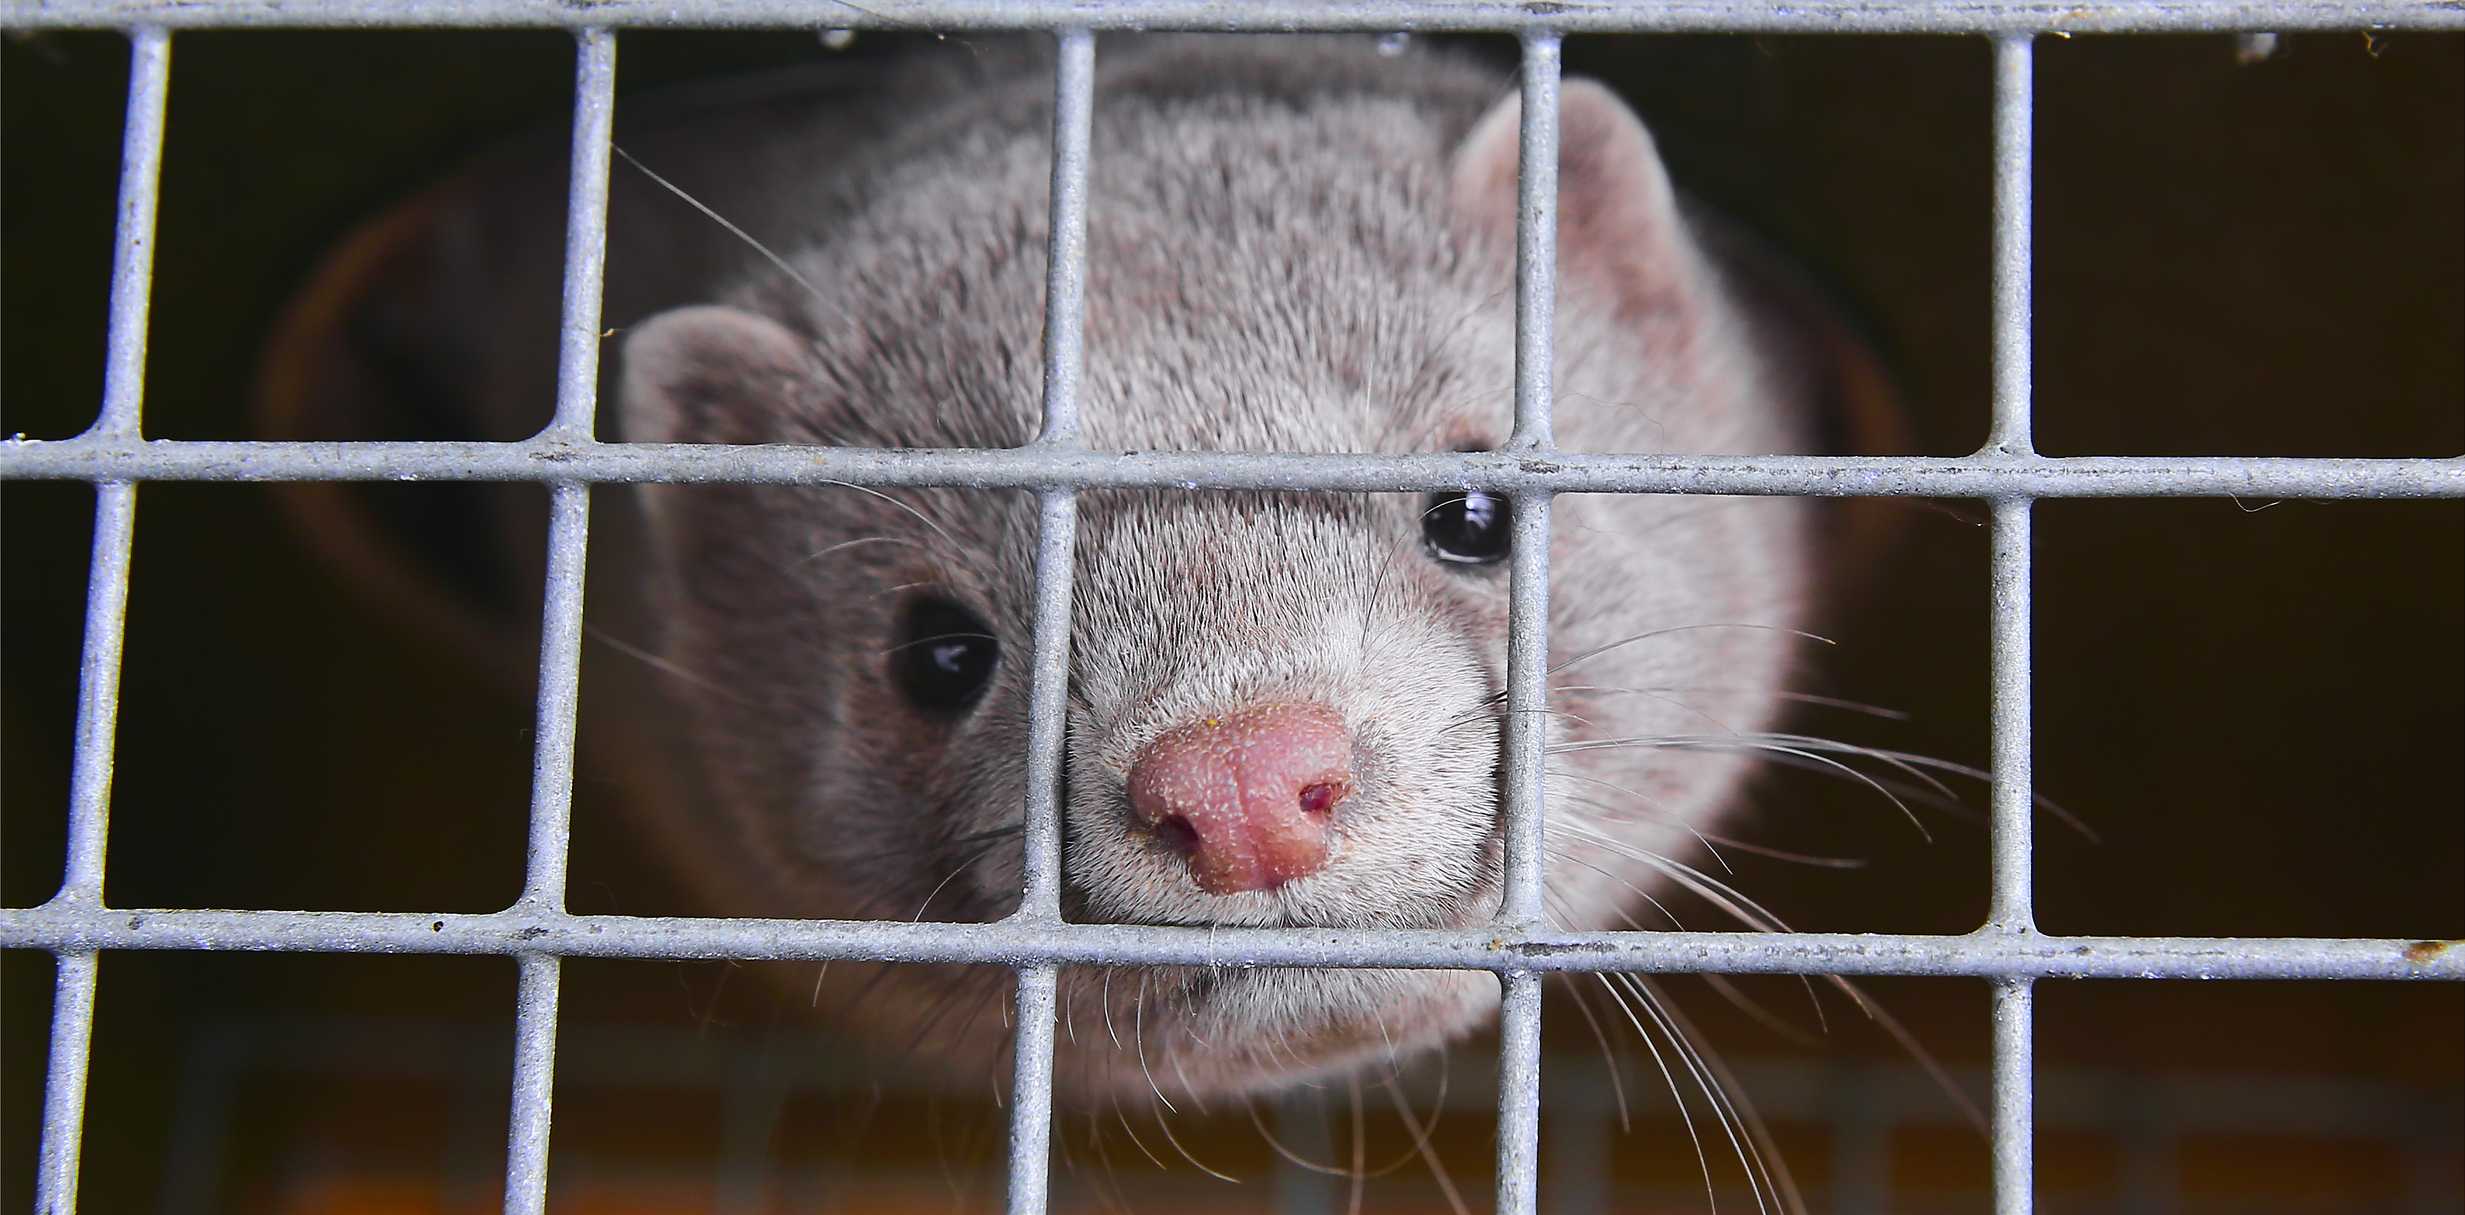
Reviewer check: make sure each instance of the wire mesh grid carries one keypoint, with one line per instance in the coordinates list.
(2008, 951)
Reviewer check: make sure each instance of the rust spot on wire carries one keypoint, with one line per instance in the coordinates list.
(2423, 952)
(1551, 949)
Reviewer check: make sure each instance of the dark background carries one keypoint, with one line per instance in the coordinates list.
(2257, 706)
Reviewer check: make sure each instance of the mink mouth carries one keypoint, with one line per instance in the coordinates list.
(1418, 1014)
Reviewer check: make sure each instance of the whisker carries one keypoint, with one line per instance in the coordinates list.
(1420, 1143)
(1133, 1133)
(1295, 1158)
(844, 545)
(1748, 1149)
(1598, 650)
(1703, 1162)
(1574, 991)
(1166, 1126)
(1633, 889)
(1711, 841)
(982, 850)
(1907, 1041)
(1662, 695)
(956, 549)
(1806, 698)
(722, 221)
(1106, 1002)
(1753, 1007)
(1360, 1147)
(1138, 1036)
(1611, 811)
(1765, 1017)
(1691, 742)
(1617, 1085)
(664, 665)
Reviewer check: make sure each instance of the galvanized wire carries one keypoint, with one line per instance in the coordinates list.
(1523, 747)
(98, 668)
(1987, 474)
(75, 925)
(1065, 324)
(1271, 16)
(2012, 796)
(1985, 954)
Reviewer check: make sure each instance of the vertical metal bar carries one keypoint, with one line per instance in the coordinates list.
(1048, 703)
(2014, 1119)
(98, 710)
(560, 678)
(1031, 1091)
(2011, 797)
(2012, 908)
(526, 1138)
(132, 261)
(1536, 241)
(1065, 282)
(64, 1085)
(586, 233)
(1528, 612)
(1064, 356)
(535, 1006)
(1031, 1088)
(98, 671)
(560, 641)
(1527, 666)
(560, 647)
(98, 694)
(115, 510)
(2014, 157)
(1519, 1094)
(1526, 727)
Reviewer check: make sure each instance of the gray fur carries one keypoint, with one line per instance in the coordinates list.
(1293, 246)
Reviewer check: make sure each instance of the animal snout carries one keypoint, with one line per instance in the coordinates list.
(1246, 798)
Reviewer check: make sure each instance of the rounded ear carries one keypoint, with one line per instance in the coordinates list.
(709, 374)
(1618, 218)
(377, 346)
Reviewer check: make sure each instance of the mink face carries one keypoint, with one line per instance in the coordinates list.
(1284, 708)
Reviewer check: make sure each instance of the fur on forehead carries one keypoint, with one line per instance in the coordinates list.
(1209, 321)
(1211, 212)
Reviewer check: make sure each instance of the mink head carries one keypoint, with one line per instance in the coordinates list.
(1283, 709)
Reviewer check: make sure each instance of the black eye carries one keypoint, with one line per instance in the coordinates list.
(944, 657)
(1469, 528)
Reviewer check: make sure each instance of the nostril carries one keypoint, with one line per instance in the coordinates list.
(1175, 832)
(1246, 799)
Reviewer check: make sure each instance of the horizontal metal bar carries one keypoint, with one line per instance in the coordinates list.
(1991, 953)
(1984, 475)
(1587, 16)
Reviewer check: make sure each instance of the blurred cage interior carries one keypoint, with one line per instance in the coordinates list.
(2241, 248)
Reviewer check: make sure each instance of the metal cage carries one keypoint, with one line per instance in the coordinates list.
(2007, 951)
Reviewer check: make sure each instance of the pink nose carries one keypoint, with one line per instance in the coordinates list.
(1247, 797)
